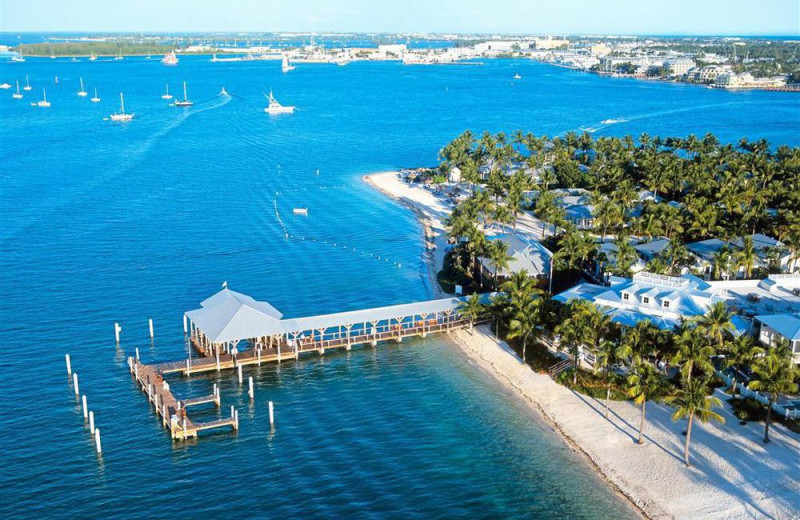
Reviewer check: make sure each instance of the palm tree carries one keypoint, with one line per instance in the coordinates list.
(716, 323)
(646, 382)
(693, 352)
(519, 287)
(692, 400)
(638, 341)
(741, 351)
(472, 309)
(498, 257)
(747, 256)
(609, 354)
(721, 262)
(525, 323)
(775, 375)
(574, 332)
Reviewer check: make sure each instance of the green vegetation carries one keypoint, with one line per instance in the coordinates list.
(109, 48)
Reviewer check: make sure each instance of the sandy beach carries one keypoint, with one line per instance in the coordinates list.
(734, 474)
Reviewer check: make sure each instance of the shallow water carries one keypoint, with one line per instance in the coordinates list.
(104, 222)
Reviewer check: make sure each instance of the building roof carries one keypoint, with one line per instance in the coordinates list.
(787, 325)
(231, 316)
(531, 255)
(705, 249)
(653, 248)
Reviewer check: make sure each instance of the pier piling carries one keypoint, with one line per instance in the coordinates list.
(150, 322)
(85, 408)
(185, 328)
(75, 383)
(250, 381)
(69, 366)
(91, 422)
(97, 440)
(240, 374)
(137, 353)
(271, 415)
(117, 330)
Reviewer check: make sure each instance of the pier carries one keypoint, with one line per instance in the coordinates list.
(232, 330)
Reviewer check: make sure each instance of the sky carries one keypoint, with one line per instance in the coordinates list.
(682, 17)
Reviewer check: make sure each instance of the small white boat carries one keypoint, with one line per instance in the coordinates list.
(27, 84)
(74, 59)
(82, 91)
(5, 86)
(223, 92)
(43, 103)
(92, 57)
(52, 56)
(96, 98)
(121, 115)
(169, 59)
(166, 95)
(17, 94)
(285, 65)
(300, 211)
(56, 80)
(275, 107)
(18, 57)
(517, 76)
(185, 102)
(118, 56)
(214, 58)
(148, 56)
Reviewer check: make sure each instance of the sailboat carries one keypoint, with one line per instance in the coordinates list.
(148, 56)
(17, 95)
(275, 107)
(285, 66)
(82, 91)
(43, 103)
(18, 57)
(121, 115)
(118, 56)
(95, 99)
(92, 57)
(185, 102)
(517, 76)
(167, 95)
(5, 86)
(27, 84)
(170, 59)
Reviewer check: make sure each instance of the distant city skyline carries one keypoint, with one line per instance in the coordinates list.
(623, 17)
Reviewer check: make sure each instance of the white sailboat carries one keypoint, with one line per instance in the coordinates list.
(170, 59)
(5, 86)
(285, 65)
(82, 91)
(17, 94)
(118, 56)
(92, 57)
(43, 103)
(121, 115)
(96, 98)
(18, 57)
(166, 95)
(517, 76)
(185, 102)
(27, 84)
(275, 107)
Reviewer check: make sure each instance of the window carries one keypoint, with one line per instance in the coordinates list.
(625, 296)
(646, 299)
(666, 304)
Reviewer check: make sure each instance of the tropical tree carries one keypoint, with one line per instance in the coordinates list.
(693, 352)
(498, 257)
(747, 256)
(692, 401)
(472, 309)
(716, 323)
(638, 341)
(645, 382)
(741, 351)
(525, 323)
(775, 375)
(574, 332)
(609, 353)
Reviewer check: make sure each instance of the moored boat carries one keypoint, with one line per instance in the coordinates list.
(121, 116)
(185, 102)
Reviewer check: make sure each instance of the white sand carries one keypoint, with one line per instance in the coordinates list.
(734, 474)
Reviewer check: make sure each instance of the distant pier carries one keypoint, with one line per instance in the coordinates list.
(232, 330)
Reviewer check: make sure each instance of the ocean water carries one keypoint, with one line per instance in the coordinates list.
(103, 222)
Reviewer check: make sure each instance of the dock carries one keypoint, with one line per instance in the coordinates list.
(232, 330)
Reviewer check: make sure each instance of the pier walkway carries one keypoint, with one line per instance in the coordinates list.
(232, 330)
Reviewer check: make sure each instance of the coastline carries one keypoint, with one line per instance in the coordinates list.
(429, 213)
(734, 475)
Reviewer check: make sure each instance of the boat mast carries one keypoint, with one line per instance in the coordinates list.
(184, 92)
(122, 103)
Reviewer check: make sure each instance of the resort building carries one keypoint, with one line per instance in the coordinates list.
(680, 66)
(606, 260)
(775, 294)
(530, 256)
(577, 208)
(769, 252)
(781, 327)
(650, 250)
(664, 300)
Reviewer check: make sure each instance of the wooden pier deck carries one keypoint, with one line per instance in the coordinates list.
(236, 320)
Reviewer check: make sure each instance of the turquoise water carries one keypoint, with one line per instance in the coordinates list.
(104, 222)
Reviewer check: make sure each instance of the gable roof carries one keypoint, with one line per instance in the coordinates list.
(787, 325)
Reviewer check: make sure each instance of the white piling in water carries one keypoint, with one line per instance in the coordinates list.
(137, 353)
(117, 330)
(69, 366)
(91, 422)
(233, 410)
(271, 414)
(97, 440)
(240, 374)
(218, 361)
(185, 328)
(85, 407)
(250, 381)
(236, 418)
(150, 322)
(75, 383)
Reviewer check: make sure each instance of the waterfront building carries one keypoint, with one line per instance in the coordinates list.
(680, 66)
(781, 327)
(529, 255)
